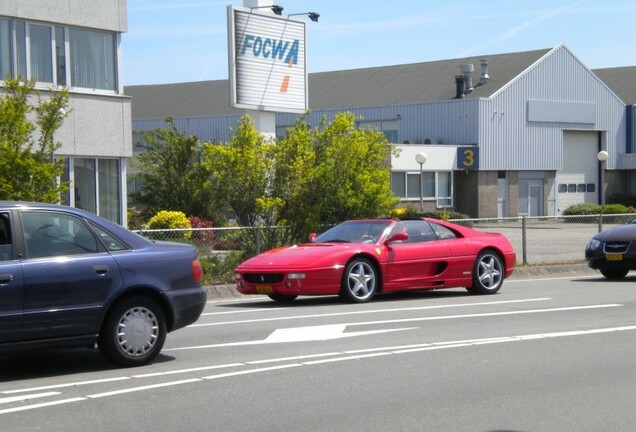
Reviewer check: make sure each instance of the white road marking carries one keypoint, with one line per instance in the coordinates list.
(318, 329)
(27, 397)
(373, 311)
(148, 387)
(42, 405)
(339, 356)
(324, 332)
(72, 384)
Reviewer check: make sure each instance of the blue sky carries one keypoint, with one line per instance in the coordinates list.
(172, 41)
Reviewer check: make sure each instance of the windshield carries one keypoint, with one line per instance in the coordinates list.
(354, 232)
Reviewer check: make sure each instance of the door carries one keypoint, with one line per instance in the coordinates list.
(530, 198)
(502, 195)
(67, 276)
(417, 262)
(10, 283)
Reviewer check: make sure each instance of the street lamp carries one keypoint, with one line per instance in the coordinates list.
(421, 159)
(602, 158)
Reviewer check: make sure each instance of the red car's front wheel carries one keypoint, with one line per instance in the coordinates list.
(359, 281)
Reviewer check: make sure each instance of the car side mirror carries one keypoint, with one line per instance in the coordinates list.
(312, 237)
(401, 236)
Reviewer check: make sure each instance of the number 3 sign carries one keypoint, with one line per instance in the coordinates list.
(467, 158)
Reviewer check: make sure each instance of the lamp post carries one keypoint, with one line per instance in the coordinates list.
(421, 159)
(602, 158)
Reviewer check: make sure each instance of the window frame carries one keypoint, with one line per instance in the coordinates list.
(21, 55)
(441, 200)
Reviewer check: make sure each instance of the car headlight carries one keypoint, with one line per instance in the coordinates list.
(296, 276)
(593, 244)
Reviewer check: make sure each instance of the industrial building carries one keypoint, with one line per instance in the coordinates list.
(532, 124)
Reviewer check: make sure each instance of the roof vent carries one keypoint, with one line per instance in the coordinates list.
(431, 141)
(467, 70)
(484, 78)
(459, 86)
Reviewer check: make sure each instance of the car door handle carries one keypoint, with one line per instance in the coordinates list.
(6, 278)
(101, 269)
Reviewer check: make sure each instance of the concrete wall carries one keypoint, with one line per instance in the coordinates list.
(95, 14)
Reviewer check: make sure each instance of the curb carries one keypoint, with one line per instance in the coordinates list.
(228, 292)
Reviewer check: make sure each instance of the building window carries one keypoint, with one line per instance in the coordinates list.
(95, 185)
(41, 54)
(388, 127)
(436, 186)
(60, 55)
(109, 196)
(5, 49)
(50, 53)
(84, 181)
(92, 59)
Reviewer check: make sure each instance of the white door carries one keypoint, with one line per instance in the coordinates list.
(530, 198)
(578, 181)
(502, 197)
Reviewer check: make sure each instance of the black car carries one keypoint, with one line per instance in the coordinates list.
(613, 251)
(69, 278)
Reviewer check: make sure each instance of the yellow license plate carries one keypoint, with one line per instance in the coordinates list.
(264, 289)
(614, 257)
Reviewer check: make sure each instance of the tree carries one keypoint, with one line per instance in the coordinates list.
(307, 180)
(353, 172)
(29, 170)
(239, 171)
(171, 174)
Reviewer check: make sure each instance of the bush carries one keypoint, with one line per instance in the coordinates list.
(582, 209)
(166, 219)
(587, 209)
(201, 238)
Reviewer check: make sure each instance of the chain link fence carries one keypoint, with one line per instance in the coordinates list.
(537, 240)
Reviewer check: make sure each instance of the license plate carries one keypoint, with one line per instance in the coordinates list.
(614, 257)
(264, 289)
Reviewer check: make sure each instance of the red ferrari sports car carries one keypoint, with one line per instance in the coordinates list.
(360, 258)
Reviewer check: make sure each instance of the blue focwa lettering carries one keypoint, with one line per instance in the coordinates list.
(269, 47)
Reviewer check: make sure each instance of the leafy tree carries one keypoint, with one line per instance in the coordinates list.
(171, 174)
(294, 182)
(306, 180)
(353, 173)
(239, 173)
(28, 168)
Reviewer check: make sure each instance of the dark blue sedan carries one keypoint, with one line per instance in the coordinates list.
(69, 278)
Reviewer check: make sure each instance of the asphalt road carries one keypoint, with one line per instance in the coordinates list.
(545, 354)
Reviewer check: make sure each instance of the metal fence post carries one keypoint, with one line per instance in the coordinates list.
(524, 240)
(257, 240)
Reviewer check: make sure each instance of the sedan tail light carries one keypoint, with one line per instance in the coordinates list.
(197, 271)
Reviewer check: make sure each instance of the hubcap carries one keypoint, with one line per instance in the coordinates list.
(361, 280)
(489, 272)
(137, 331)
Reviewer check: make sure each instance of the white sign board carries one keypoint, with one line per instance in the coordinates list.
(267, 61)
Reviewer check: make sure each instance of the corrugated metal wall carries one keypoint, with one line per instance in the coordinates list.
(508, 141)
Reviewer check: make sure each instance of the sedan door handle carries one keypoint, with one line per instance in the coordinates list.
(101, 269)
(6, 278)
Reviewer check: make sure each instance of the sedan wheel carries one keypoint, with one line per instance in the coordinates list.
(133, 332)
(488, 273)
(359, 281)
(614, 273)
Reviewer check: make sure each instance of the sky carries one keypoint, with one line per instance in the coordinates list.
(172, 41)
